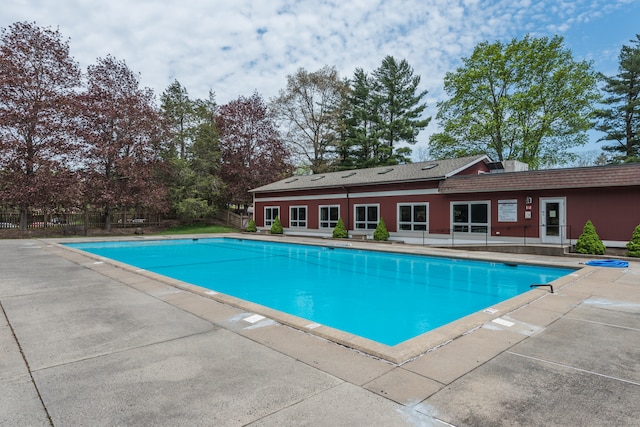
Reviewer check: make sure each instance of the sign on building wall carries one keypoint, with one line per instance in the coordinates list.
(508, 210)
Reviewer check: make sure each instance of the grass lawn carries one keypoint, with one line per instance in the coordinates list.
(198, 229)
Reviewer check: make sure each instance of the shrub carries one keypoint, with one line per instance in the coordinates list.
(192, 209)
(634, 244)
(251, 227)
(381, 232)
(276, 227)
(589, 242)
(340, 232)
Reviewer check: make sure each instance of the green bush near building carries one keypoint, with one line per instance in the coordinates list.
(340, 232)
(276, 227)
(634, 245)
(589, 242)
(381, 232)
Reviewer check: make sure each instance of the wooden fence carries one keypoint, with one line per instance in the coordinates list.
(88, 219)
(233, 219)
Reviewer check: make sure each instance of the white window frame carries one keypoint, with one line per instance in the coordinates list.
(298, 223)
(413, 223)
(328, 223)
(367, 224)
(269, 222)
(472, 227)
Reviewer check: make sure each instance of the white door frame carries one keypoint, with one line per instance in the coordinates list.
(561, 236)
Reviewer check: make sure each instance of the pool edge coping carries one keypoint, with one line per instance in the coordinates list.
(398, 354)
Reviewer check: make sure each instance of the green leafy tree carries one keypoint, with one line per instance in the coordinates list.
(527, 100)
(381, 233)
(276, 227)
(308, 112)
(340, 232)
(251, 226)
(191, 209)
(589, 242)
(634, 245)
(620, 119)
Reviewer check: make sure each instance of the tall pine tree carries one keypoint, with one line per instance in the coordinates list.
(205, 153)
(361, 124)
(400, 109)
(178, 114)
(384, 111)
(620, 120)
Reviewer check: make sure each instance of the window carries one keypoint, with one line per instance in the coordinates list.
(298, 217)
(471, 217)
(270, 214)
(413, 217)
(366, 217)
(329, 216)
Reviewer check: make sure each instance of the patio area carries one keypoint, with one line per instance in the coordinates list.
(87, 342)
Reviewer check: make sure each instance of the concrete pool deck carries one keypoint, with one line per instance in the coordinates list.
(88, 342)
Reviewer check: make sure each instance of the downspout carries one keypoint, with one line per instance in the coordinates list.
(252, 215)
(346, 192)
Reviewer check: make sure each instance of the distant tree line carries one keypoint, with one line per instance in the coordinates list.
(73, 140)
(526, 100)
(334, 124)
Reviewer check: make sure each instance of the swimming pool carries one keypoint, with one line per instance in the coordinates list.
(385, 297)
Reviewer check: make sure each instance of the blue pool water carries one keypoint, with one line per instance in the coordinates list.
(385, 297)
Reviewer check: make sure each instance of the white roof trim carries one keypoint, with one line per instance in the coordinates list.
(460, 169)
(417, 192)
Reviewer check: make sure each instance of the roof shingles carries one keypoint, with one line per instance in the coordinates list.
(588, 177)
(446, 172)
(423, 171)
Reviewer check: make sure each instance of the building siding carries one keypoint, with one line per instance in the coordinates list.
(614, 210)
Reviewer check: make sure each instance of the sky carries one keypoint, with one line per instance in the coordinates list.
(237, 47)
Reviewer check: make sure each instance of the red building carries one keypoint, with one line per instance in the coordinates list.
(462, 200)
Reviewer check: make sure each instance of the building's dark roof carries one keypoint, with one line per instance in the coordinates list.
(587, 177)
(423, 171)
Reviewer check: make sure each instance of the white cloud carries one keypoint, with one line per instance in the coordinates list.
(234, 48)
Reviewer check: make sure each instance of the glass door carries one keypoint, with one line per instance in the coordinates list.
(552, 221)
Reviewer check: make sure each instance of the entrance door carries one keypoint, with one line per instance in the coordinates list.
(552, 221)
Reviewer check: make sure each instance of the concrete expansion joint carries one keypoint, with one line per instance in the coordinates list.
(417, 356)
(593, 322)
(574, 368)
(26, 362)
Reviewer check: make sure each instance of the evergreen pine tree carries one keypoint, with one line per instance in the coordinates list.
(400, 109)
(383, 109)
(620, 120)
